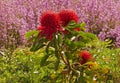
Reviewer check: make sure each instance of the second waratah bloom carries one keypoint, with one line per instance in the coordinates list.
(50, 19)
(66, 16)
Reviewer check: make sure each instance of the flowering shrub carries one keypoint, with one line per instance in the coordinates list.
(77, 65)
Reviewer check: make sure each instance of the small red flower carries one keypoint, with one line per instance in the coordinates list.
(50, 19)
(85, 56)
(68, 15)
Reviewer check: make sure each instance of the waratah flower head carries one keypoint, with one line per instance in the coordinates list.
(50, 19)
(50, 24)
(66, 16)
(85, 56)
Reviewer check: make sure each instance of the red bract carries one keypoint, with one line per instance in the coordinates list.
(85, 56)
(50, 19)
(67, 15)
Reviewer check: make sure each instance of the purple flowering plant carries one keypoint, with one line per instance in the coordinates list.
(101, 17)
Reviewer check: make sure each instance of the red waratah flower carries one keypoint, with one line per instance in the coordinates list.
(50, 19)
(50, 24)
(84, 56)
(66, 16)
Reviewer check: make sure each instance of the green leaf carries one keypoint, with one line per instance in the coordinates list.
(67, 41)
(48, 48)
(43, 61)
(79, 44)
(91, 36)
(71, 23)
(46, 63)
(57, 63)
(59, 39)
(31, 39)
(83, 24)
(56, 47)
(87, 35)
(77, 26)
(38, 43)
(31, 33)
